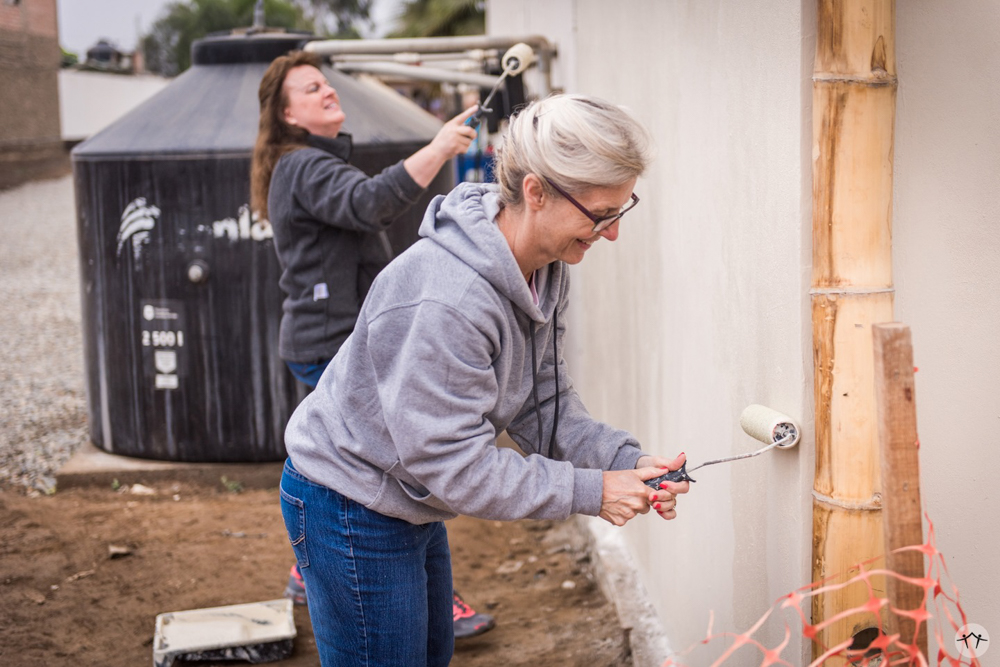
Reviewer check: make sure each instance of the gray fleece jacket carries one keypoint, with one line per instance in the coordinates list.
(326, 215)
(405, 419)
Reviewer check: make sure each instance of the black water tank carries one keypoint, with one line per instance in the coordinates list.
(180, 293)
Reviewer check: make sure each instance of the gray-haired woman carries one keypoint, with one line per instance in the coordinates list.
(459, 339)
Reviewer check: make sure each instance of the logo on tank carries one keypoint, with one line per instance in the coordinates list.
(246, 225)
(138, 220)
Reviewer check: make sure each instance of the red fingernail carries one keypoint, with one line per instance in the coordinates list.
(656, 506)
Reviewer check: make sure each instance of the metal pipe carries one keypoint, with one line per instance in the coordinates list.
(419, 73)
(410, 58)
(258, 16)
(546, 50)
(333, 47)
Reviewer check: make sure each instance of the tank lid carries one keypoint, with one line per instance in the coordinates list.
(246, 47)
(214, 111)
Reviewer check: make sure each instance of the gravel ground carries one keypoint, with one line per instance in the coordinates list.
(42, 399)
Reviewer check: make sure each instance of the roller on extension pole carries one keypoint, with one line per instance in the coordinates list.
(759, 422)
(516, 59)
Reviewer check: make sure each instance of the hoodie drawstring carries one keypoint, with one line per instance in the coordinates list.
(534, 380)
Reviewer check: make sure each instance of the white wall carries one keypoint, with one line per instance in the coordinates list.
(90, 101)
(702, 307)
(946, 258)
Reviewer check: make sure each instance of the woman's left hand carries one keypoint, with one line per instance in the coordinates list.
(664, 500)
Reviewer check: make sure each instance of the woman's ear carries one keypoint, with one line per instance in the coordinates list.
(288, 117)
(534, 192)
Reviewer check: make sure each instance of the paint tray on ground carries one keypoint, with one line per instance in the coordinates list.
(257, 632)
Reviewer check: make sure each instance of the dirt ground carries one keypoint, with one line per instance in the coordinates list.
(65, 601)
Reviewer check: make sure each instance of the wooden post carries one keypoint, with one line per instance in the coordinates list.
(854, 104)
(895, 398)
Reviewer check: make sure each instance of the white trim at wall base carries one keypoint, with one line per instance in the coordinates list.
(619, 580)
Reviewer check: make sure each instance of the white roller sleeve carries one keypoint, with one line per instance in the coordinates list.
(516, 59)
(769, 425)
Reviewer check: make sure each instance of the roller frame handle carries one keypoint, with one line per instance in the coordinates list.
(679, 475)
(475, 119)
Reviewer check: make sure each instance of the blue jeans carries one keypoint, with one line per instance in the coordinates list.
(379, 588)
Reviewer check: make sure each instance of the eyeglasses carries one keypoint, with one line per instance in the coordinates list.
(600, 224)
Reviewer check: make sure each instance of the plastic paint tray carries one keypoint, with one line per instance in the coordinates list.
(257, 632)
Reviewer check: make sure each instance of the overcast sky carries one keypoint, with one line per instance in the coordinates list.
(83, 22)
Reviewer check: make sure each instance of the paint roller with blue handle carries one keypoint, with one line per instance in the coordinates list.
(517, 59)
(760, 422)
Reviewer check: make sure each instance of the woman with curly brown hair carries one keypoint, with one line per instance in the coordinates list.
(323, 210)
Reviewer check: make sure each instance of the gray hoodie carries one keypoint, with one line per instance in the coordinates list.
(405, 419)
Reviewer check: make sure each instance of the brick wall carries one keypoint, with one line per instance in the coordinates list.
(41, 15)
(29, 86)
(33, 17)
(12, 17)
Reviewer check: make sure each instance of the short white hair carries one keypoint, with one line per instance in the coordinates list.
(577, 141)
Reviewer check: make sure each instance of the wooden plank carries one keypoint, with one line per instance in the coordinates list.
(896, 407)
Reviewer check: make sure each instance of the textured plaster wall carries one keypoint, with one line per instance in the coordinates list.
(946, 259)
(701, 307)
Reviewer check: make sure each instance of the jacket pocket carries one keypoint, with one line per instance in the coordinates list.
(293, 511)
(410, 486)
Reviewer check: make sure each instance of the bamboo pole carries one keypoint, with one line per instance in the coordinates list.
(854, 100)
(896, 406)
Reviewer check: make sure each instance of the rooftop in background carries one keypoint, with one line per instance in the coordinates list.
(90, 101)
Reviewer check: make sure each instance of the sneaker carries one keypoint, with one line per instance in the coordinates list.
(468, 622)
(296, 588)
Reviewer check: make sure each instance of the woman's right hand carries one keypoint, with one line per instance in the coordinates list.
(625, 495)
(455, 136)
(451, 140)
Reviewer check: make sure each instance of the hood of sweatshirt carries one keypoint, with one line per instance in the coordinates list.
(448, 351)
(463, 222)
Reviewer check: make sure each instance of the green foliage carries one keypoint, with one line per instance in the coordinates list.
(441, 18)
(167, 47)
(339, 18)
(68, 58)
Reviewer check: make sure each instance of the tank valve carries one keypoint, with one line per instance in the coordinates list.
(197, 271)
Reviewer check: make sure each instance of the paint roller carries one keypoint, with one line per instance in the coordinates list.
(517, 59)
(759, 422)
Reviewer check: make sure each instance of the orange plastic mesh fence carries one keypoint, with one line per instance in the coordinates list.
(892, 649)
